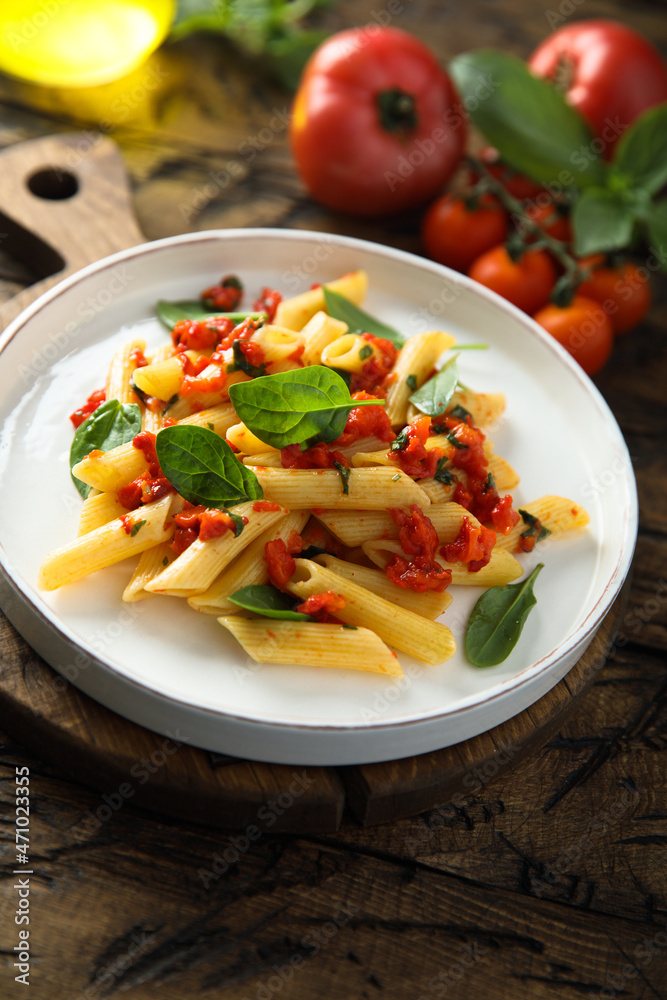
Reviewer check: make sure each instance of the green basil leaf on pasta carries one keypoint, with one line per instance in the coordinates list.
(357, 320)
(202, 467)
(497, 620)
(262, 599)
(111, 424)
(435, 395)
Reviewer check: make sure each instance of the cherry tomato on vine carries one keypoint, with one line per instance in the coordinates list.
(551, 220)
(623, 291)
(583, 328)
(377, 126)
(608, 72)
(526, 282)
(455, 234)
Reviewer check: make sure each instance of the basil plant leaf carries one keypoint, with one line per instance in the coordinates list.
(267, 601)
(641, 153)
(603, 221)
(435, 395)
(527, 119)
(358, 321)
(497, 620)
(202, 467)
(295, 407)
(171, 313)
(656, 225)
(111, 424)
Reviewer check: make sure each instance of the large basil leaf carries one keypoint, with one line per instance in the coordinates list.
(526, 119)
(641, 153)
(171, 313)
(267, 601)
(111, 424)
(202, 467)
(497, 620)
(296, 407)
(603, 220)
(434, 396)
(358, 321)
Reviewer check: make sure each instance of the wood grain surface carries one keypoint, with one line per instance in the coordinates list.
(545, 879)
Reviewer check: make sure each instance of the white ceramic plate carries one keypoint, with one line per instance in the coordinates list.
(163, 665)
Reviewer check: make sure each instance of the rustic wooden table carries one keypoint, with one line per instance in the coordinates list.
(547, 878)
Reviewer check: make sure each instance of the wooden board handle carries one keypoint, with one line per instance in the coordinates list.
(65, 202)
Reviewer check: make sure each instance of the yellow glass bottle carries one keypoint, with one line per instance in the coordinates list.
(79, 43)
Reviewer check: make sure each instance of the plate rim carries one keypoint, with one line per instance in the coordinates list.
(530, 672)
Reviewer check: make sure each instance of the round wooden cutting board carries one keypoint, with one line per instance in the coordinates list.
(68, 210)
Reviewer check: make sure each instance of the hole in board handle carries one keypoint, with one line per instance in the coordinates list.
(52, 184)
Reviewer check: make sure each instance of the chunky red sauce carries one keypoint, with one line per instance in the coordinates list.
(225, 296)
(279, 559)
(138, 357)
(94, 400)
(150, 486)
(317, 457)
(419, 541)
(204, 523)
(260, 505)
(320, 606)
(268, 302)
(375, 372)
(473, 545)
(414, 458)
(365, 421)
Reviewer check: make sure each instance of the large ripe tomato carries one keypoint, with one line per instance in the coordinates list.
(623, 291)
(455, 234)
(583, 328)
(526, 282)
(609, 72)
(376, 126)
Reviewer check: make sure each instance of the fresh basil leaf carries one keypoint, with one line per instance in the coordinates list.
(435, 395)
(442, 473)
(603, 221)
(526, 119)
(305, 405)
(641, 153)
(344, 471)
(136, 528)
(241, 363)
(202, 467)
(460, 413)
(535, 526)
(656, 225)
(497, 620)
(357, 320)
(453, 440)
(267, 601)
(111, 424)
(171, 313)
(400, 441)
(174, 399)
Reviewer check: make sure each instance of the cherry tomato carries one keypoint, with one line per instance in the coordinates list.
(623, 292)
(583, 328)
(551, 220)
(526, 282)
(377, 126)
(454, 234)
(516, 184)
(609, 72)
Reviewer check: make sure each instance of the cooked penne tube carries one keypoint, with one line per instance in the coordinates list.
(111, 543)
(282, 348)
(151, 562)
(355, 527)
(423, 639)
(247, 443)
(318, 332)
(249, 568)
(414, 364)
(162, 379)
(557, 515)
(428, 605)
(485, 408)
(98, 510)
(313, 645)
(349, 353)
(369, 489)
(502, 567)
(294, 313)
(121, 370)
(194, 570)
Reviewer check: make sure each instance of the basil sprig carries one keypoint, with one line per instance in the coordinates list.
(111, 424)
(171, 313)
(295, 407)
(497, 620)
(357, 320)
(202, 467)
(539, 134)
(267, 601)
(435, 395)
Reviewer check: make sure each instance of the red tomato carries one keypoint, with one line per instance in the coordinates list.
(583, 328)
(551, 220)
(526, 282)
(455, 235)
(623, 292)
(514, 183)
(377, 126)
(609, 72)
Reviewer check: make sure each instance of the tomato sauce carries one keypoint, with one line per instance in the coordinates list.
(419, 541)
(320, 606)
(268, 303)
(150, 486)
(317, 457)
(365, 421)
(374, 374)
(473, 545)
(413, 457)
(83, 412)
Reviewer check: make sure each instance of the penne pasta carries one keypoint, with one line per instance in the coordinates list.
(294, 313)
(414, 364)
(355, 527)
(428, 605)
(317, 334)
(374, 489)
(121, 371)
(557, 515)
(501, 569)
